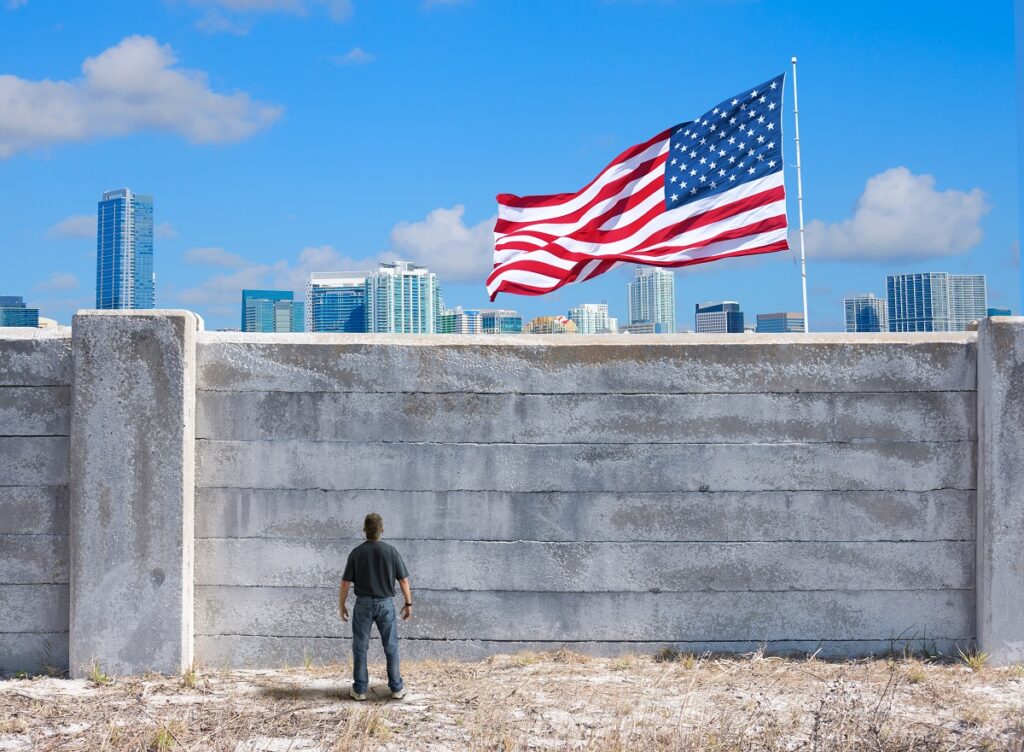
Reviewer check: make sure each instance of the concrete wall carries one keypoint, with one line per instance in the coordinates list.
(607, 493)
(35, 395)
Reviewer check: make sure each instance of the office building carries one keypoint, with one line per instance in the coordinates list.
(643, 327)
(124, 251)
(271, 311)
(865, 313)
(336, 302)
(652, 297)
(1000, 312)
(459, 321)
(501, 321)
(779, 323)
(550, 325)
(593, 318)
(402, 298)
(935, 301)
(14, 312)
(719, 318)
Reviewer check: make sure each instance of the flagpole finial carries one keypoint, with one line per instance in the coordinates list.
(794, 60)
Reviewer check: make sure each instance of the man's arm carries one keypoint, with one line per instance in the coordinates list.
(342, 596)
(407, 608)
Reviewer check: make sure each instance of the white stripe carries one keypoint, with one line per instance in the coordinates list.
(540, 213)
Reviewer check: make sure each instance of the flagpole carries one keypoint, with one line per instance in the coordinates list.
(800, 199)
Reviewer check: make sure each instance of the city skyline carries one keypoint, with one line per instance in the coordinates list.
(267, 167)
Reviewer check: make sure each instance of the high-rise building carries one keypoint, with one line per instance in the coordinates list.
(271, 311)
(501, 321)
(652, 297)
(550, 325)
(124, 251)
(779, 323)
(14, 312)
(402, 298)
(934, 301)
(459, 321)
(592, 318)
(865, 313)
(642, 327)
(1000, 312)
(719, 318)
(336, 302)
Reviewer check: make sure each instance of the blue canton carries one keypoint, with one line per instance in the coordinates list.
(738, 141)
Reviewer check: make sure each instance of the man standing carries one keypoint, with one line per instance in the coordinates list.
(374, 566)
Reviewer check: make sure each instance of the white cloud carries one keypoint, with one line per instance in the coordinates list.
(165, 231)
(901, 215)
(446, 245)
(131, 87)
(75, 226)
(214, 256)
(355, 56)
(222, 15)
(59, 281)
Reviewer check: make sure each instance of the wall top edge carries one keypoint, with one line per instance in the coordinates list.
(584, 340)
(31, 332)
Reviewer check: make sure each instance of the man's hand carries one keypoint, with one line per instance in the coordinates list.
(342, 597)
(344, 612)
(406, 612)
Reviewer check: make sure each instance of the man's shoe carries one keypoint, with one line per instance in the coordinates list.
(358, 696)
(398, 695)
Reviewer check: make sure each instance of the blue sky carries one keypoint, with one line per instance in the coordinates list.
(280, 137)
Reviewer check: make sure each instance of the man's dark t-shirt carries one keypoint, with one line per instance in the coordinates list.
(373, 567)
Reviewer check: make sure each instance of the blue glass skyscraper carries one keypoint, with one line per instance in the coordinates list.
(14, 312)
(336, 302)
(124, 251)
(271, 311)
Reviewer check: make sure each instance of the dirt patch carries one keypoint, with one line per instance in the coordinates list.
(557, 700)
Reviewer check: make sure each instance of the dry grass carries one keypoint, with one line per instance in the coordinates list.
(556, 700)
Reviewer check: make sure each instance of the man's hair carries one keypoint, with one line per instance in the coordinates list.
(373, 526)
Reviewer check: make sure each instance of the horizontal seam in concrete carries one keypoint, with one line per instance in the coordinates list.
(33, 436)
(413, 392)
(362, 442)
(929, 638)
(33, 485)
(4, 534)
(574, 541)
(602, 592)
(34, 386)
(565, 491)
(34, 584)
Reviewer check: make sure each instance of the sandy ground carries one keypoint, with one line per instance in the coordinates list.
(558, 700)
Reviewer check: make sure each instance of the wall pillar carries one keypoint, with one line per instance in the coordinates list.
(1000, 511)
(132, 490)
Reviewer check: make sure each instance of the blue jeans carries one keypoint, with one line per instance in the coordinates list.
(366, 612)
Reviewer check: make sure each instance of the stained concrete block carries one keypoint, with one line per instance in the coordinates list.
(919, 466)
(593, 364)
(257, 651)
(33, 608)
(34, 510)
(638, 515)
(132, 490)
(34, 410)
(595, 567)
(626, 617)
(35, 357)
(1000, 524)
(586, 418)
(34, 460)
(33, 652)
(33, 559)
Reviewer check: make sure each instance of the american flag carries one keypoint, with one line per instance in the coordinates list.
(704, 190)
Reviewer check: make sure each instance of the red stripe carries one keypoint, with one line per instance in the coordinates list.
(529, 202)
(507, 226)
(520, 288)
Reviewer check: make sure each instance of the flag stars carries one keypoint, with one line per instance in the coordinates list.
(751, 170)
(693, 155)
(771, 105)
(760, 139)
(770, 126)
(771, 162)
(703, 161)
(675, 196)
(772, 86)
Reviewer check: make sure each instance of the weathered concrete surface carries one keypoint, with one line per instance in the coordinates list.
(586, 418)
(34, 460)
(33, 652)
(1000, 603)
(606, 616)
(258, 651)
(33, 559)
(638, 515)
(132, 490)
(596, 567)
(34, 411)
(34, 510)
(35, 357)
(559, 364)
(33, 608)
(920, 466)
